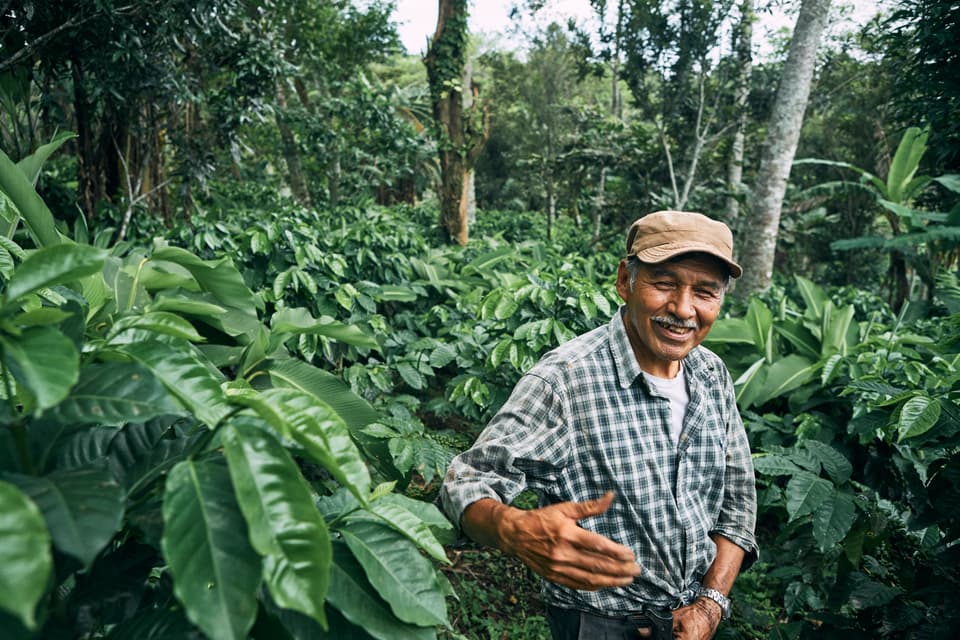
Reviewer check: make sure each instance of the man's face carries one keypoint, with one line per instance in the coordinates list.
(670, 309)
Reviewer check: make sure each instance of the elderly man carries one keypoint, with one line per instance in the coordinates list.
(631, 438)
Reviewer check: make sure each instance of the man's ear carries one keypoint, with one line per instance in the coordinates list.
(623, 281)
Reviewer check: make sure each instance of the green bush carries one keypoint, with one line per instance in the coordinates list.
(169, 469)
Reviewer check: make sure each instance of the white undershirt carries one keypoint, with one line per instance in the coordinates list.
(675, 390)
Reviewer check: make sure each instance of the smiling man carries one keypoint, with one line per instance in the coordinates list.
(630, 436)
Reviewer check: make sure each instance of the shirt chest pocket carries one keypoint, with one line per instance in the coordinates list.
(703, 459)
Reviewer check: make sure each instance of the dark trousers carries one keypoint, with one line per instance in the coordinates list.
(569, 624)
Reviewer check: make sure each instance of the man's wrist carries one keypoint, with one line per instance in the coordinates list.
(716, 599)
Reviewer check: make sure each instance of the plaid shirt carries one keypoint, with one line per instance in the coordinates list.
(584, 421)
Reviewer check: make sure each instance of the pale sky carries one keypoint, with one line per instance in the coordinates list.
(417, 19)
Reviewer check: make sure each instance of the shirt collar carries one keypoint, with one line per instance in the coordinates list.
(626, 363)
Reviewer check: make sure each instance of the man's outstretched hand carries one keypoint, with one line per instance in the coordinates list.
(551, 543)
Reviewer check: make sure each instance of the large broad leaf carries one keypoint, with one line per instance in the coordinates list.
(950, 181)
(750, 383)
(36, 216)
(156, 624)
(406, 524)
(185, 376)
(216, 573)
(813, 296)
(833, 462)
(426, 512)
(759, 321)
(53, 265)
(785, 375)
(833, 519)
(839, 331)
(44, 361)
(917, 416)
(402, 576)
(299, 320)
(867, 594)
(114, 393)
(30, 165)
(25, 558)
(83, 508)
(730, 331)
(220, 277)
(800, 337)
(905, 162)
(139, 453)
(317, 428)
(774, 465)
(351, 593)
(87, 446)
(158, 322)
(296, 374)
(285, 526)
(806, 493)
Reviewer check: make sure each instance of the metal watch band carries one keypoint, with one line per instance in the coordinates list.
(719, 598)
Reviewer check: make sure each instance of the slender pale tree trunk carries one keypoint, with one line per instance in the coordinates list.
(743, 41)
(758, 247)
(469, 180)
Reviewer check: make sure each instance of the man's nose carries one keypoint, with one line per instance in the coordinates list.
(681, 303)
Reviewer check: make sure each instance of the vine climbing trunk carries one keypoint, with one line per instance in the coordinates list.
(460, 135)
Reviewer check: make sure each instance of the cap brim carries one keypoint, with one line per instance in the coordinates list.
(664, 252)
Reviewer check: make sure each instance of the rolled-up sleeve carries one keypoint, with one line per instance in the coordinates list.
(523, 447)
(738, 513)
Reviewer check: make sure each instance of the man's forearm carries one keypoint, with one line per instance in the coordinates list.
(481, 521)
(726, 565)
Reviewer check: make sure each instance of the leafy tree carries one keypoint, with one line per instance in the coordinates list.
(920, 40)
(925, 241)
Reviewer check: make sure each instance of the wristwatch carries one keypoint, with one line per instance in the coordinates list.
(717, 597)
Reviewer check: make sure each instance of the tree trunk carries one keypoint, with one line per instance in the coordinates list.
(598, 208)
(759, 246)
(88, 181)
(743, 40)
(458, 141)
(291, 152)
(469, 181)
(445, 62)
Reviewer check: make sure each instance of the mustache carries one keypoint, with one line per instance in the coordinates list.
(677, 322)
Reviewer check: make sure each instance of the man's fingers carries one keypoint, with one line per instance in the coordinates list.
(585, 580)
(589, 542)
(588, 508)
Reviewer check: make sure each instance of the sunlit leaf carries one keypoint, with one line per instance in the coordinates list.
(403, 577)
(918, 415)
(285, 526)
(216, 572)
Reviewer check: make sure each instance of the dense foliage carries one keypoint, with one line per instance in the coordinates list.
(230, 383)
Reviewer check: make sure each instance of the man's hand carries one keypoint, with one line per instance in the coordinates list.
(697, 621)
(551, 543)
